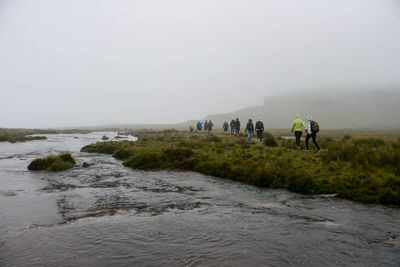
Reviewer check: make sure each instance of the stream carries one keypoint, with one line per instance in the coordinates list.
(108, 214)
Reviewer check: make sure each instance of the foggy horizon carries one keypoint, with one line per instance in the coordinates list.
(90, 63)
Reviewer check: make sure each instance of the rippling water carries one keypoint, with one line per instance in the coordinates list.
(111, 215)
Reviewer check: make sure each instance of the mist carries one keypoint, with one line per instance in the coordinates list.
(84, 63)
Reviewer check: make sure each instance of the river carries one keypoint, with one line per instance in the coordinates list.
(108, 214)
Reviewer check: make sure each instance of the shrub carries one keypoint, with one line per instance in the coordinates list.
(173, 154)
(265, 176)
(370, 142)
(300, 181)
(104, 138)
(103, 147)
(145, 161)
(66, 157)
(214, 138)
(346, 137)
(269, 140)
(122, 153)
(52, 163)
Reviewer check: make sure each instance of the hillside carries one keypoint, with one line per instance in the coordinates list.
(373, 109)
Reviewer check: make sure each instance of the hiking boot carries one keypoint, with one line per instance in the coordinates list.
(305, 150)
(319, 151)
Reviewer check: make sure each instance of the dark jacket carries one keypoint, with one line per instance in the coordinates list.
(249, 127)
(225, 126)
(259, 126)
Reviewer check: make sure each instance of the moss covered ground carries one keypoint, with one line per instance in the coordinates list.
(364, 168)
(53, 163)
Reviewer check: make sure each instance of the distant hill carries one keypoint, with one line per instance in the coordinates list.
(371, 109)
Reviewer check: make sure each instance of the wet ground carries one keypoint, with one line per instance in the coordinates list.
(111, 215)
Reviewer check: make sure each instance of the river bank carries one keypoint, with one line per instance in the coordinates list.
(363, 169)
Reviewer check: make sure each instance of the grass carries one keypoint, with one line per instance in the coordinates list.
(53, 163)
(23, 135)
(360, 168)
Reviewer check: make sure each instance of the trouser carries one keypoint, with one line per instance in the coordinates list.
(233, 131)
(260, 135)
(249, 135)
(298, 134)
(314, 139)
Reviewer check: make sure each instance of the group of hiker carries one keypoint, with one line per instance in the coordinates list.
(298, 125)
(312, 128)
(207, 126)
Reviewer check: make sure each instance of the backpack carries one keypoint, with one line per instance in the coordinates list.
(314, 126)
(259, 126)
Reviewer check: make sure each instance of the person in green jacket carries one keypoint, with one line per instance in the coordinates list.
(297, 127)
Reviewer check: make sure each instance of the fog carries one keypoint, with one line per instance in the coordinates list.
(91, 62)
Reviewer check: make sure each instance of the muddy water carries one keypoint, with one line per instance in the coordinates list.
(111, 215)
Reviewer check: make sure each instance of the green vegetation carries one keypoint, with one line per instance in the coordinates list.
(53, 163)
(22, 135)
(365, 169)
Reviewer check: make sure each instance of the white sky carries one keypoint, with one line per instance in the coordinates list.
(92, 62)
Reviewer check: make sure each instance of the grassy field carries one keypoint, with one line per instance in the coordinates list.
(365, 169)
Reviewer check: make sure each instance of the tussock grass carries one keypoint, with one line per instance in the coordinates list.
(52, 163)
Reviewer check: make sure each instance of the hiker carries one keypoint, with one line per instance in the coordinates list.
(297, 127)
(312, 129)
(259, 129)
(209, 127)
(233, 127)
(249, 129)
(199, 126)
(191, 127)
(237, 126)
(225, 126)
(205, 126)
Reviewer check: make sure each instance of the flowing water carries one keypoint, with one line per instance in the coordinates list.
(108, 214)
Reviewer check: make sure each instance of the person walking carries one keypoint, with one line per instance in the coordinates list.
(249, 129)
(225, 126)
(233, 127)
(205, 126)
(259, 129)
(297, 127)
(237, 126)
(209, 127)
(199, 126)
(312, 129)
(191, 127)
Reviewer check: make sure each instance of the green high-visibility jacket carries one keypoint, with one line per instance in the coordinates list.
(298, 124)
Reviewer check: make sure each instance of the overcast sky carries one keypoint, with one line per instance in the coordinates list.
(92, 62)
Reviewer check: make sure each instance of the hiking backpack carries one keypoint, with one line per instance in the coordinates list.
(314, 126)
